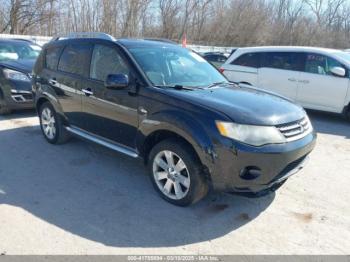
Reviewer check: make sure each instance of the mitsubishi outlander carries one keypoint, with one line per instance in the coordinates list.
(160, 102)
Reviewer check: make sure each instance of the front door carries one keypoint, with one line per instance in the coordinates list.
(318, 87)
(109, 113)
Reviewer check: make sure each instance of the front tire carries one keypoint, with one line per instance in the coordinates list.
(4, 110)
(51, 125)
(176, 173)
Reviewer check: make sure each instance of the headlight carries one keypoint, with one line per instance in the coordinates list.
(15, 75)
(249, 134)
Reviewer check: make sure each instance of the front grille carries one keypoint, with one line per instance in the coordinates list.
(22, 97)
(296, 130)
(28, 96)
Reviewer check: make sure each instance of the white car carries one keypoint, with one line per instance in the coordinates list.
(316, 78)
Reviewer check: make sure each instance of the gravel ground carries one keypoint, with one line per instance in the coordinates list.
(80, 198)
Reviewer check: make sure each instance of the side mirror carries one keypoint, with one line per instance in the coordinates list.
(338, 71)
(117, 81)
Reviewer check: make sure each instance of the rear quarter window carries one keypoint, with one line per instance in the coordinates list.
(52, 56)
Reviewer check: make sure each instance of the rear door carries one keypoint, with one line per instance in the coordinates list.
(318, 87)
(279, 73)
(72, 69)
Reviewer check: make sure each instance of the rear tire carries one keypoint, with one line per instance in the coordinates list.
(176, 173)
(51, 125)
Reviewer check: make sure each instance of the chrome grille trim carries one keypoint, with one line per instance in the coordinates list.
(287, 128)
(295, 130)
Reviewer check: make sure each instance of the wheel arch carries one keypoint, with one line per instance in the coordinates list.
(160, 135)
(180, 125)
(40, 102)
(48, 95)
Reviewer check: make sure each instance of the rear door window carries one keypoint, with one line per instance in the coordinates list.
(75, 58)
(282, 60)
(52, 57)
(249, 59)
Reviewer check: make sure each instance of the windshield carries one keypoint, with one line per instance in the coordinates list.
(176, 67)
(18, 50)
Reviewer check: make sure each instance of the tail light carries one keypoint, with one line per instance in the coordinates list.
(221, 70)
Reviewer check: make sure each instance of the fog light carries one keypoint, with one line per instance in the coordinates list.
(250, 173)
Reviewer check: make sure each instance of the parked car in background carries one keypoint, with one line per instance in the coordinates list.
(17, 58)
(232, 51)
(316, 78)
(169, 106)
(216, 58)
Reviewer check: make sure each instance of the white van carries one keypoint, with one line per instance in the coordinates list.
(316, 78)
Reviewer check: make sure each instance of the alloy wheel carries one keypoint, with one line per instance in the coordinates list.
(48, 123)
(171, 175)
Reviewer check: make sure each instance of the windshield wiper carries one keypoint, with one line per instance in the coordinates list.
(177, 87)
(219, 83)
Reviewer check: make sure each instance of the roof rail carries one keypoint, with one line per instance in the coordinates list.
(85, 35)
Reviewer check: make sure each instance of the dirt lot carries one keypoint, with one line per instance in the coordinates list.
(80, 198)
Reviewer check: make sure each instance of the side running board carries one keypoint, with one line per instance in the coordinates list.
(101, 141)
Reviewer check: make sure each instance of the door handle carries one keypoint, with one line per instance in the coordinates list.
(304, 81)
(53, 82)
(87, 91)
(292, 79)
(142, 110)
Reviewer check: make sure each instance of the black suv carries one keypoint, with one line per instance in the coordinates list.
(167, 105)
(17, 58)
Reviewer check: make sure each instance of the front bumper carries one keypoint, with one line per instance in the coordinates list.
(247, 169)
(17, 94)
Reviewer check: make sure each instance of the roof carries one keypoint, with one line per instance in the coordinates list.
(289, 48)
(136, 43)
(127, 42)
(335, 53)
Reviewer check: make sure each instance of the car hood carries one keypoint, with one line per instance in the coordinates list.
(245, 105)
(24, 65)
